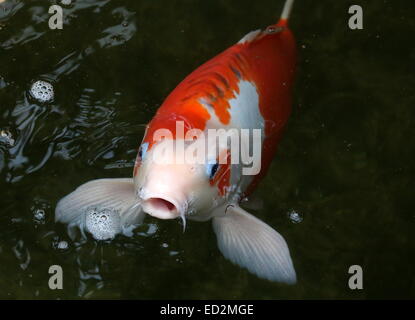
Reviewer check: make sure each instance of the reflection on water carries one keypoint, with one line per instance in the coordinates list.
(339, 191)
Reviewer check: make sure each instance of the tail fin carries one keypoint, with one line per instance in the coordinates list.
(275, 28)
(286, 12)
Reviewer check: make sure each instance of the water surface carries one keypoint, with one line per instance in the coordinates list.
(345, 163)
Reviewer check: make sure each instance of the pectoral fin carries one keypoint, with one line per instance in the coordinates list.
(113, 200)
(250, 243)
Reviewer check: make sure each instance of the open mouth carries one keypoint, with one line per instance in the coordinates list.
(160, 208)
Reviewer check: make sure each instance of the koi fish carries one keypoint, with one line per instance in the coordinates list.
(248, 86)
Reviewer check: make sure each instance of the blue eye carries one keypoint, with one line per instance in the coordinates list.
(211, 169)
(142, 150)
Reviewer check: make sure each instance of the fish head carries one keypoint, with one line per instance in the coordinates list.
(171, 185)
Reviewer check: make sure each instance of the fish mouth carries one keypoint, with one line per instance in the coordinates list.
(162, 207)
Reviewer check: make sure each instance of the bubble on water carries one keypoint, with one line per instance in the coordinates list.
(295, 217)
(2, 81)
(66, 2)
(39, 210)
(152, 229)
(6, 138)
(39, 216)
(42, 91)
(62, 245)
(147, 230)
(103, 224)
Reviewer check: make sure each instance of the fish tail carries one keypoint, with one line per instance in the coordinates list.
(286, 11)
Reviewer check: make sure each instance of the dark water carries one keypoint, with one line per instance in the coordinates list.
(345, 164)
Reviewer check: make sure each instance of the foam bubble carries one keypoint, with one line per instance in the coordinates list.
(3, 83)
(295, 217)
(62, 245)
(39, 216)
(103, 224)
(42, 91)
(6, 137)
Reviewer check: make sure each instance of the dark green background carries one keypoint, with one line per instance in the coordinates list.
(345, 163)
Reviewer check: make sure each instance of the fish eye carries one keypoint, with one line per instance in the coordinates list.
(142, 150)
(211, 169)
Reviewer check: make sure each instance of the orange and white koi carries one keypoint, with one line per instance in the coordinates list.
(248, 86)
